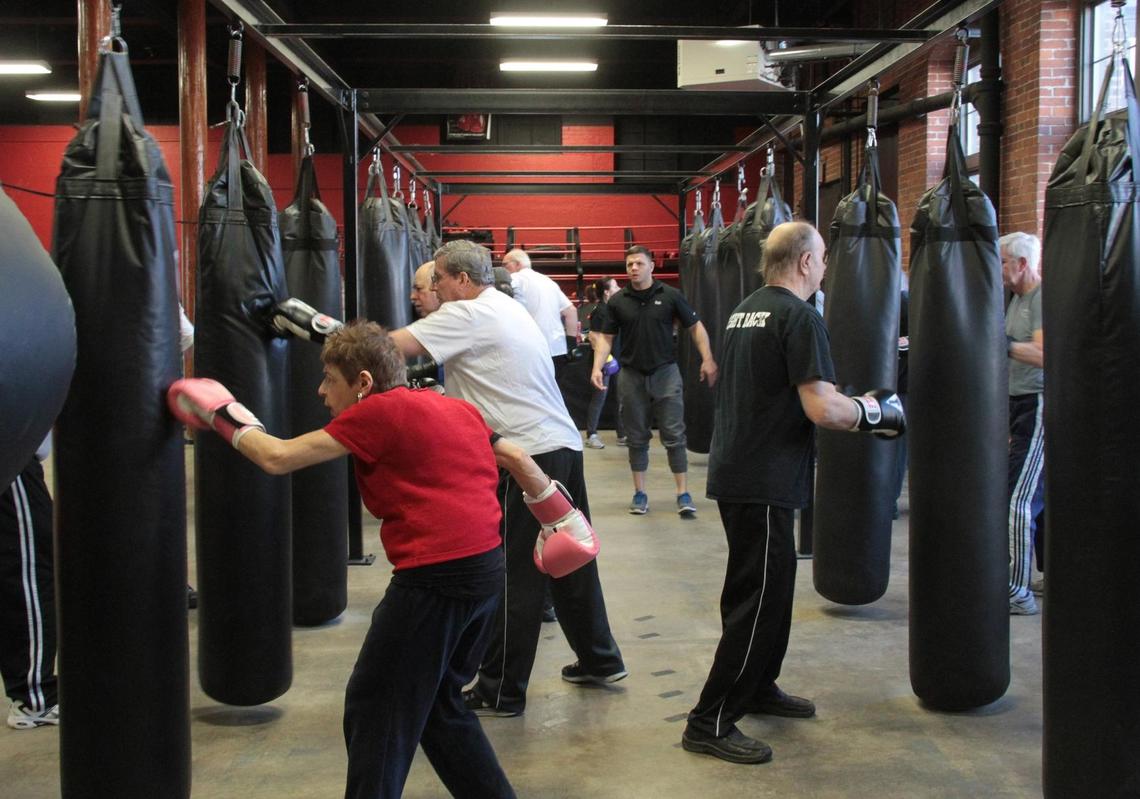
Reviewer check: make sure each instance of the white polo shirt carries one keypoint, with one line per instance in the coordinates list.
(545, 302)
(497, 360)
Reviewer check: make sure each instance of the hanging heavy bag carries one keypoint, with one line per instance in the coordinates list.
(39, 328)
(768, 211)
(1092, 457)
(243, 514)
(854, 489)
(419, 247)
(729, 274)
(120, 500)
(958, 428)
(698, 397)
(384, 256)
(320, 510)
(434, 242)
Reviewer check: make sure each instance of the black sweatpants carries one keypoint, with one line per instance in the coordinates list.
(755, 612)
(27, 594)
(578, 599)
(424, 645)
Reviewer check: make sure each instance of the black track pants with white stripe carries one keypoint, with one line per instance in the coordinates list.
(27, 595)
(1026, 487)
(755, 612)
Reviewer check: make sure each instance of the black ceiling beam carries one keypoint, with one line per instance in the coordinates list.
(614, 32)
(651, 174)
(540, 149)
(596, 102)
(559, 188)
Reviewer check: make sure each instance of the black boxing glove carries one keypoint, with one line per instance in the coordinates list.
(294, 317)
(880, 413)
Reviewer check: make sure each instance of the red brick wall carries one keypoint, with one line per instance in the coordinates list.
(1039, 69)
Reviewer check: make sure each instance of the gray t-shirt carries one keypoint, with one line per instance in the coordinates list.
(1022, 319)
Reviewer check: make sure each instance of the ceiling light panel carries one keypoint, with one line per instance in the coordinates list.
(548, 66)
(53, 97)
(24, 68)
(537, 20)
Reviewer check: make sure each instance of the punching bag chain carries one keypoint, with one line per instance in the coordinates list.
(770, 166)
(961, 60)
(741, 188)
(396, 190)
(303, 109)
(697, 209)
(1119, 30)
(374, 167)
(412, 192)
(427, 203)
(716, 194)
(872, 112)
(115, 38)
(233, 76)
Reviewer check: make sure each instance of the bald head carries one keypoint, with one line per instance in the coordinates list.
(793, 257)
(424, 297)
(516, 260)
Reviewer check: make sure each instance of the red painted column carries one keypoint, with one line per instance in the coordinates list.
(192, 138)
(94, 26)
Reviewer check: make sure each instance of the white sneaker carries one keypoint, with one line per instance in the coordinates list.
(1025, 606)
(21, 717)
(593, 442)
(1038, 586)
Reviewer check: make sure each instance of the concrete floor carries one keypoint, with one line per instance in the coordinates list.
(662, 577)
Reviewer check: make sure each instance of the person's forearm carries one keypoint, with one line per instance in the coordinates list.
(282, 456)
(701, 340)
(521, 467)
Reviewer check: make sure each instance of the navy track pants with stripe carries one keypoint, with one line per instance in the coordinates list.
(755, 612)
(1026, 486)
(27, 593)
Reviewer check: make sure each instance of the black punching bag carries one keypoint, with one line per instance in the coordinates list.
(38, 358)
(243, 514)
(768, 211)
(698, 396)
(958, 429)
(120, 497)
(384, 255)
(320, 510)
(1091, 299)
(854, 490)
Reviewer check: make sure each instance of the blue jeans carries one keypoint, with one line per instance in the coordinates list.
(597, 402)
(652, 398)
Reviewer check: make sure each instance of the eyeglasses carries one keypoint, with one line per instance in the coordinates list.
(436, 277)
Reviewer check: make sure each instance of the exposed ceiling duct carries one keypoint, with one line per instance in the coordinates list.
(816, 52)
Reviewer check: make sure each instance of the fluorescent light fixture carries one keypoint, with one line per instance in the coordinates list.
(538, 20)
(24, 68)
(548, 66)
(731, 43)
(53, 97)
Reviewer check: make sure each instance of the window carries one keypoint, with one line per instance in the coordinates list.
(1096, 49)
(968, 120)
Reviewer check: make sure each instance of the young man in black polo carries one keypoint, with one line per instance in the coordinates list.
(649, 383)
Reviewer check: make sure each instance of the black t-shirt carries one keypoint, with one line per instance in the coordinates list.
(762, 440)
(598, 318)
(645, 320)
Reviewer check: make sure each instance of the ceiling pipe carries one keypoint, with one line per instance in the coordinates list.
(795, 55)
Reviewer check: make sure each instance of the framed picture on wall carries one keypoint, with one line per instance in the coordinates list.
(468, 127)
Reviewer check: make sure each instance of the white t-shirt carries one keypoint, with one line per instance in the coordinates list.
(497, 360)
(545, 302)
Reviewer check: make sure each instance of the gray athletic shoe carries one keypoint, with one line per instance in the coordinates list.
(22, 717)
(1025, 606)
(593, 442)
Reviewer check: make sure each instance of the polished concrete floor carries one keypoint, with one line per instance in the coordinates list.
(662, 576)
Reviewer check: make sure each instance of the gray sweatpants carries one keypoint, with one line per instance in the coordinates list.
(655, 398)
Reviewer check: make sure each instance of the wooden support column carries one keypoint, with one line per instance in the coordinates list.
(298, 131)
(255, 105)
(94, 26)
(192, 126)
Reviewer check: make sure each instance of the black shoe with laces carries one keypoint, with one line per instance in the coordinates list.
(778, 703)
(473, 702)
(736, 747)
(576, 674)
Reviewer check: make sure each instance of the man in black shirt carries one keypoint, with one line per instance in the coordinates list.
(649, 383)
(777, 384)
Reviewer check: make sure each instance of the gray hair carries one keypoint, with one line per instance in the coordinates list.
(1022, 245)
(462, 255)
(520, 256)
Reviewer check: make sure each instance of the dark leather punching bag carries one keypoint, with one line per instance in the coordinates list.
(320, 510)
(729, 275)
(434, 241)
(958, 428)
(761, 216)
(854, 489)
(120, 497)
(698, 396)
(243, 514)
(38, 358)
(385, 260)
(419, 246)
(1090, 290)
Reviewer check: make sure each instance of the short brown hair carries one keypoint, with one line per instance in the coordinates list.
(365, 346)
(638, 249)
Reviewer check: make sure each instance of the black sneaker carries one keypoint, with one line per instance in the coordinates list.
(473, 702)
(576, 674)
(736, 747)
(548, 615)
(778, 703)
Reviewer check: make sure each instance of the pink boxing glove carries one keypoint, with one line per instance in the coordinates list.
(204, 404)
(566, 541)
